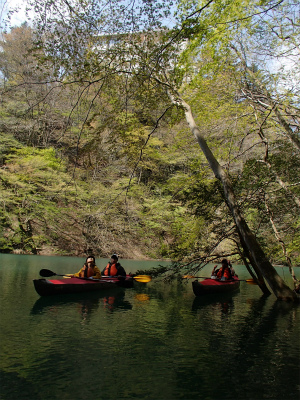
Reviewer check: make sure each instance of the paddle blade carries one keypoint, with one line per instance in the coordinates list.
(143, 278)
(251, 281)
(46, 273)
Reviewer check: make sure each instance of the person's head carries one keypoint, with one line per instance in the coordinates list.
(114, 258)
(224, 263)
(90, 260)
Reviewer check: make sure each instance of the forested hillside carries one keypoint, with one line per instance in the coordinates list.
(68, 189)
(52, 206)
(96, 145)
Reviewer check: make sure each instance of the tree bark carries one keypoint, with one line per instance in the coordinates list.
(259, 259)
(259, 277)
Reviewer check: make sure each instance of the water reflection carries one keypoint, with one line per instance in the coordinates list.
(84, 303)
(142, 297)
(113, 303)
(223, 302)
(12, 384)
(154, 341)
(250, 342)
(257, 338)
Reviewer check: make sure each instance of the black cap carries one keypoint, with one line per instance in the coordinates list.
(115, 257)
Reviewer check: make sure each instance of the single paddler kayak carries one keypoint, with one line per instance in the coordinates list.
(47, 287)
(213, 286)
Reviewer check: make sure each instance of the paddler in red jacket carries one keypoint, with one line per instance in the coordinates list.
(224, 272)
(114, 268)
(89, 269)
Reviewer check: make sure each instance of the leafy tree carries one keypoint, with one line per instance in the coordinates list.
(152, 60)
(38, 200)
(221, 52)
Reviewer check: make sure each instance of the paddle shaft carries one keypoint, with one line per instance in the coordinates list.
(46, 273)
(205, 277)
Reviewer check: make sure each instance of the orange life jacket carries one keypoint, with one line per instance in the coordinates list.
(111, 270)
(87, 274)
(224, 271)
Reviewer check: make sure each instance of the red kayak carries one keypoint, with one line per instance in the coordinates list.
(213, 286)
(46, 287)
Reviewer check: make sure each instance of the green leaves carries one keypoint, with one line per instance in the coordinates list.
(111, 153)
(37, 198)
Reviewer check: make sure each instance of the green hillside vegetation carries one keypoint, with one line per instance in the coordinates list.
(97, 155)
(48, 207)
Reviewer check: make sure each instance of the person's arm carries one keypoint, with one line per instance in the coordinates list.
(78, 274)
(121, 271)
(97, 273)
(214, 269)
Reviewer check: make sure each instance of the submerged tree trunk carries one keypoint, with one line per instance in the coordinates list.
(257, 256)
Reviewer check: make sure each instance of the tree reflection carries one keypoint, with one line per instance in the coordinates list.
(258, 331)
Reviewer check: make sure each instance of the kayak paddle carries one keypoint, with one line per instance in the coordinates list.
(143, 278)
(46, 273)
(250, 281)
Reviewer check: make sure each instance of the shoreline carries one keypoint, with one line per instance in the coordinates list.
(83, 255)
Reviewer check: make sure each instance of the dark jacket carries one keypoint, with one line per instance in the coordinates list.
(120, 269)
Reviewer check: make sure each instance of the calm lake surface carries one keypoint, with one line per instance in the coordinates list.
(154, 341)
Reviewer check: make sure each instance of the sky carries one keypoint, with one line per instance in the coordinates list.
(18, 17)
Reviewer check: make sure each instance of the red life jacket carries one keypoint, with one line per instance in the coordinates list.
(224, 271)
(111, 270)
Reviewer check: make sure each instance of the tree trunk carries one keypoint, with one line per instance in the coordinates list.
(277, 285)
(259, 277)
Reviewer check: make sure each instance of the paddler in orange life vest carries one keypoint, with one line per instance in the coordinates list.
(114, 268)
(224, 273)
(89, 269)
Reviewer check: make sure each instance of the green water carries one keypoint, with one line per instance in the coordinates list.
(155, 341)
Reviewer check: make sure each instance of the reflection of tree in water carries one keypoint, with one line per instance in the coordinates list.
(248, 348)
(12, 384)
(264, 334)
